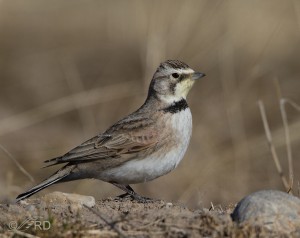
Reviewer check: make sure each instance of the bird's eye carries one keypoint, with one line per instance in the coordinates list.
(175, 75)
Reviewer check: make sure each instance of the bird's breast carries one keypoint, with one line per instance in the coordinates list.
(181, 124)
(178, 127)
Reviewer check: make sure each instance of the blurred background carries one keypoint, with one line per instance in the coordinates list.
(70, 69)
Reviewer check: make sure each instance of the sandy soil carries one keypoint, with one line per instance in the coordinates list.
(55, 216)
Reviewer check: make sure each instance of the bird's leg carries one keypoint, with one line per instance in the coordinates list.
(125, 194)
(132, 193)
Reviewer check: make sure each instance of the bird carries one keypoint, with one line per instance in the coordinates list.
(142, 146)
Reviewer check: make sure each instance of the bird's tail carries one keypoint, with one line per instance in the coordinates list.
(57, 177)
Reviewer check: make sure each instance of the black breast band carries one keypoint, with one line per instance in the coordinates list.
(176, 106)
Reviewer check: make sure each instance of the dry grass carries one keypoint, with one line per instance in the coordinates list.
(272, 147)
(69, 69)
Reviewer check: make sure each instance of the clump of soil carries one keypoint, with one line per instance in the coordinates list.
(58, 216)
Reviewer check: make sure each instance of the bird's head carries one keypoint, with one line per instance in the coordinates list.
(172, 81)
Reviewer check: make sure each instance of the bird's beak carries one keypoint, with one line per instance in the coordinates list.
(197, 75)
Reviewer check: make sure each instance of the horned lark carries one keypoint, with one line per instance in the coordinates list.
(144, 145)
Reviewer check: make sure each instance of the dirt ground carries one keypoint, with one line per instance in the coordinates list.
(119, 217)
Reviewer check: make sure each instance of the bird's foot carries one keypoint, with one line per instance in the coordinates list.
(124, 195)
(131, 193)
(142, 199)
(136, 197)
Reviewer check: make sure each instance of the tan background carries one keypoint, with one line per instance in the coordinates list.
(70, 69)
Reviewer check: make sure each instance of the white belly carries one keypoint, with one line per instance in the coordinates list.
(158, 164)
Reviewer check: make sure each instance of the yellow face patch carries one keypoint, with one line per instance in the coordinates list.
(183, 88)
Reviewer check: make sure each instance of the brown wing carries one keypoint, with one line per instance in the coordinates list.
(124, 139)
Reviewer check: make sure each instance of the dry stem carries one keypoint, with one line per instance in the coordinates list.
(271, 145)
(111, 224)
(21, 168)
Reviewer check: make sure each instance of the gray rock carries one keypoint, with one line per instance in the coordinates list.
(272, 209)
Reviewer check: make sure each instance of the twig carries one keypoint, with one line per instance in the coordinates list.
(110, 224)
(212, 207)
(66, 104)
(293, 104)
(188, 227)
(284, 101)
(24, 234)
(21, 168)
(271, 145)
(287, 140)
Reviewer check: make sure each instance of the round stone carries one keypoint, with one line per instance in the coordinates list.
(272, 209)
